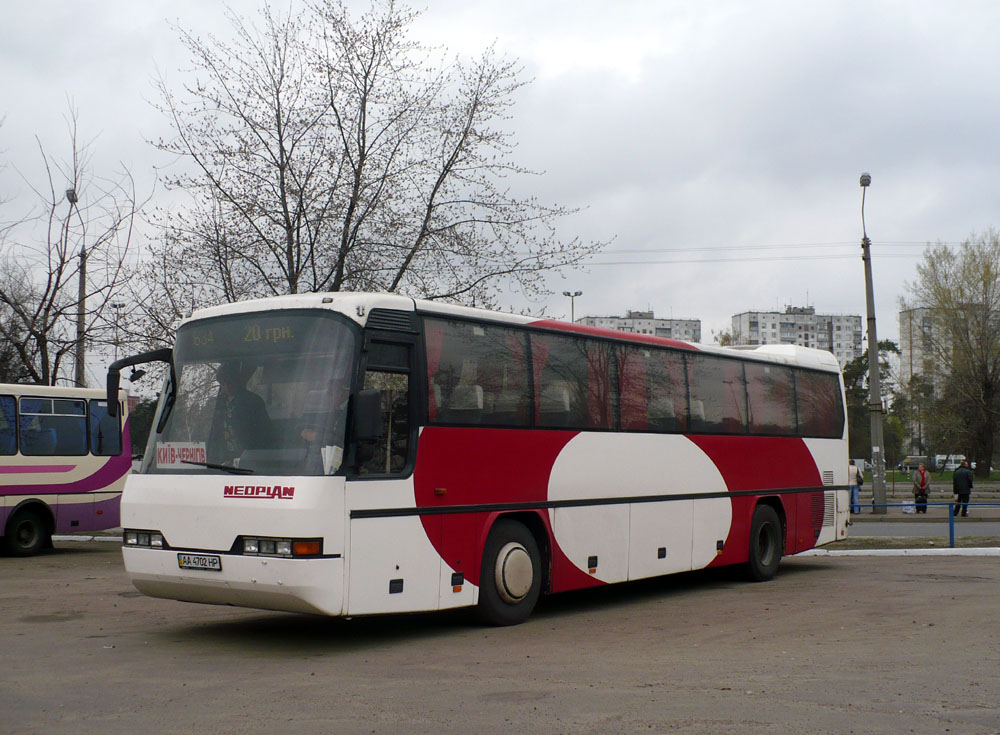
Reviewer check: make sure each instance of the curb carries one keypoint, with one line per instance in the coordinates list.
(902, 552)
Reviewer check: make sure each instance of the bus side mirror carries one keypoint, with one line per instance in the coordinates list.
(367, 416)
(114, 372)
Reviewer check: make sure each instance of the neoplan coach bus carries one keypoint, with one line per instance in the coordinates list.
(350, 454)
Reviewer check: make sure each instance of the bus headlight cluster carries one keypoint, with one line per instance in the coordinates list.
(257, 546)
(148, 539)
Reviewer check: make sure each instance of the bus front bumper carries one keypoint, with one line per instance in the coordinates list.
(270, 583)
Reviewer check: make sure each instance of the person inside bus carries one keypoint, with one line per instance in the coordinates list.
(240, 421)
(312, 437)
(321, 432)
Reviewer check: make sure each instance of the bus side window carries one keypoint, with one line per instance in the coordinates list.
(392, 447)
(8, 426)
(820, 410)
(105, 431)
(53, 427)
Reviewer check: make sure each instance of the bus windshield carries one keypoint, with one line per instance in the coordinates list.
(256, 393)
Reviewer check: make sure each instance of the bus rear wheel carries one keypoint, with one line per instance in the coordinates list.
(765, 544)
(510, 579)
(26, 533)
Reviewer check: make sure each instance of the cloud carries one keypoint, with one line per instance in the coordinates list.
(699, 125)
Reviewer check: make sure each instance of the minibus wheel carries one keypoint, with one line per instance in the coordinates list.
(765, 544)
(510, 579)
(26, 533)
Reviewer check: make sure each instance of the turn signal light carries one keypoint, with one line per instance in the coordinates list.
(306, 548)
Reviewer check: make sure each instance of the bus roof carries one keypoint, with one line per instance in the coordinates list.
(54, 391)
(357, 306)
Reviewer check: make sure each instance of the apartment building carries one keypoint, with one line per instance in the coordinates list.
(916, 328)
(644, 322)
(801, 325)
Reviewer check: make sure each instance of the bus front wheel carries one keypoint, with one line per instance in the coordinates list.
(26, 533)
(765, 544)
(510, 579)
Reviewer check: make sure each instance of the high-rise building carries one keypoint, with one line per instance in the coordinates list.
(643, 322)
(916, 345)
(801, 325)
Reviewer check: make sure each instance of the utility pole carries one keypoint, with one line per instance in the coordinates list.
(874, 389)
(80, 377)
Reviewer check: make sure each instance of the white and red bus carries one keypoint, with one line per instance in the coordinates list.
(63, 462)
(352, 454)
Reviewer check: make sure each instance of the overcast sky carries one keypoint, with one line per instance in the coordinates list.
(716, 146)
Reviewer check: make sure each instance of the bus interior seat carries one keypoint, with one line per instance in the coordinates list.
(698, 422)
(662, 416)
(732, 425)
(507, 408)
(465, 405)
(554, 406)
(434, 399)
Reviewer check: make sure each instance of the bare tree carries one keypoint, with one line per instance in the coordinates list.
(331, 153)
(42, 253)
(961, 288)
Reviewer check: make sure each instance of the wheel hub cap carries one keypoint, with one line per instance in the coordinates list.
(514, 574)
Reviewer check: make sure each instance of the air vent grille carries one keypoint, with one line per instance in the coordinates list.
(827, 477)
(829, 509)
(391, 319)
(818, 511)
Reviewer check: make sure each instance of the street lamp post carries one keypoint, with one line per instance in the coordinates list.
(572, 296)
(117, 306)
(874, 389)
(81, 300)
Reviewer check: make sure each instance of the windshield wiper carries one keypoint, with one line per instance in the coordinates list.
(226, 467)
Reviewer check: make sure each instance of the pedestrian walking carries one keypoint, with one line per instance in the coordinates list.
(854, 483)
(962, 485)
(921, 488)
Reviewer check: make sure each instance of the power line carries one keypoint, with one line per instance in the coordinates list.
(716, 248)
(761, 258)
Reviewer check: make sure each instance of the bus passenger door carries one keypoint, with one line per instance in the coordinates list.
(392, 564)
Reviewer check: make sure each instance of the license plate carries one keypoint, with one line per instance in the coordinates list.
(205, 562)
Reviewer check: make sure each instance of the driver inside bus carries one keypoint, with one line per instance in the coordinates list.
(322, 434)
(240, 420)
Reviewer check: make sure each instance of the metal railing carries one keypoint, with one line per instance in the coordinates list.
(950, 505)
